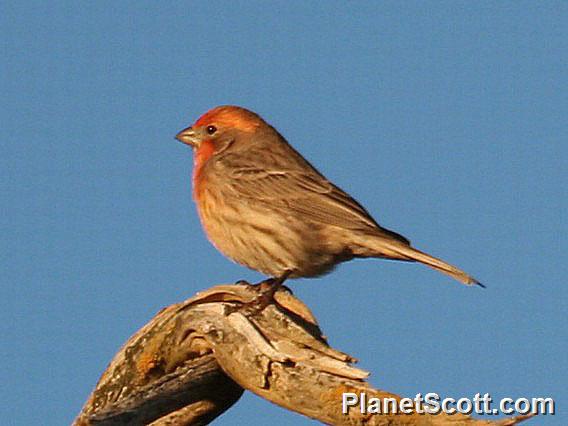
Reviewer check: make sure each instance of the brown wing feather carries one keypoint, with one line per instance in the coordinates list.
(300, 189)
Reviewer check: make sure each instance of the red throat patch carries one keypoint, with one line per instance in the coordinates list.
(201, 155)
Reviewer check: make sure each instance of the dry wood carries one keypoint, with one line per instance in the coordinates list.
(192, 361)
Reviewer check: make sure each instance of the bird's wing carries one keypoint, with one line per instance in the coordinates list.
(302, 190)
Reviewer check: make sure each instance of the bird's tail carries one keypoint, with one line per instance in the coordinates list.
(389, 248)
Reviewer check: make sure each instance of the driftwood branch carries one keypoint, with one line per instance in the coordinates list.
(193, 360)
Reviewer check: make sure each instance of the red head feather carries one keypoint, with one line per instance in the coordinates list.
(229, 116)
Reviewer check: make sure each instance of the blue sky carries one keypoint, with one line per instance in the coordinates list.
(447, 120)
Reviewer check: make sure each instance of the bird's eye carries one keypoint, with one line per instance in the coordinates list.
(211, 129)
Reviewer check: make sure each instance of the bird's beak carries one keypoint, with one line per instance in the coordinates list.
(189, 137)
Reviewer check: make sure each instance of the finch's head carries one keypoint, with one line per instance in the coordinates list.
(220, 126)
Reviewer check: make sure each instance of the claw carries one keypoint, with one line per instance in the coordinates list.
(266, 289)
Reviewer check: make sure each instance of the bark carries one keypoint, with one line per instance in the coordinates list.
(193, 360)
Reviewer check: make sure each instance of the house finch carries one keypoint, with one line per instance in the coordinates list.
(266, 207)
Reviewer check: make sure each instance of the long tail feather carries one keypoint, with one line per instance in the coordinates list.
(394, 249)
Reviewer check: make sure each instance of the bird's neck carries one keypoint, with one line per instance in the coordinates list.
(202, 155)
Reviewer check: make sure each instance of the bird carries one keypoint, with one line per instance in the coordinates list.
(263, 205)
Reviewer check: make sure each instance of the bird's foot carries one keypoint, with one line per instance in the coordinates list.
(266, 291)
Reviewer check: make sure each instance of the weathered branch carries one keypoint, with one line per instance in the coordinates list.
(192, 361)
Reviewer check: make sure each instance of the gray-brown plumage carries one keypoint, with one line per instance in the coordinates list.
(264, 206)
